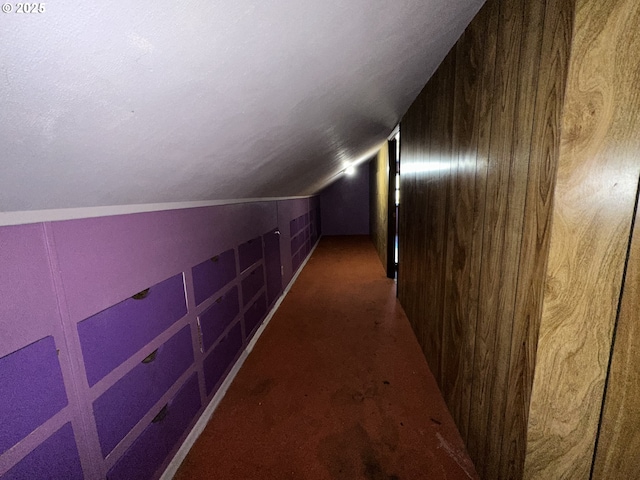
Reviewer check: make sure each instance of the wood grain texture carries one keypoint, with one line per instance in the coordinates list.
(619, 440)
(378, 201)
(459, 314)
(424, 224)
(495, 309)
(441, 148)
(478, 148)
(598, 171)
(544, 148)
(521, 159)
(475, 250)
(410, 292)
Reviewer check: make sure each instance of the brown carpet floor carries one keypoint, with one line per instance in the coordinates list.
(336, 388)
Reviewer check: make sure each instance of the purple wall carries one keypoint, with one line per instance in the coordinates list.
(345, 204)
(116, 332)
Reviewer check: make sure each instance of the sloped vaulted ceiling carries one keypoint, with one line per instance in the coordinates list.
(141, 102)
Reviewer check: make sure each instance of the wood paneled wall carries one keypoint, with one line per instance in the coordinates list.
(379, 200)
(598, 171)
(479, 149)
(618, 443)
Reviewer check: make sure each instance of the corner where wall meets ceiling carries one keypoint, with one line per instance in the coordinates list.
(145, 105)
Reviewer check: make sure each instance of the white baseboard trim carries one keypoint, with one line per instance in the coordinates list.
(202, 422)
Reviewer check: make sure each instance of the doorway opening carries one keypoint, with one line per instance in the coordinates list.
(393, 206)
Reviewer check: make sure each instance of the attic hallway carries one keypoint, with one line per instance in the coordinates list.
(336, 387)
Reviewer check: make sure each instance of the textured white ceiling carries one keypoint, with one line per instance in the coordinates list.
(138, 102)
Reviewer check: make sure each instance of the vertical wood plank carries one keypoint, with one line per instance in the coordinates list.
(443, 162)
(558, 22)
(597, 178)
(518, 139)
(424, 220)
(467, 157)
(483, 122)
(419, 221)
(409, 241)
(619, 441)
(494, 317)
(457, 334)
(378, 202)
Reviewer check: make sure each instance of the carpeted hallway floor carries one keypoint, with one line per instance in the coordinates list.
(336, 388)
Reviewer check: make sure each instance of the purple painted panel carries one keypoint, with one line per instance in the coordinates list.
(306, 219)
(293, 227)
(215, 319)
(345, 205)
(122, 406)
(314, 223)
(25, 278)
(54, 459)
(156, 442)
(103, 260)
(249, 253)
(31, 390)
(297, 242)
(297, 260)
(290, 209)
(251, 284)
(213, 274)
(319, 221)
(113, 335)
(218, 362)
(287, 211)
(272, 265)
(254, 315)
